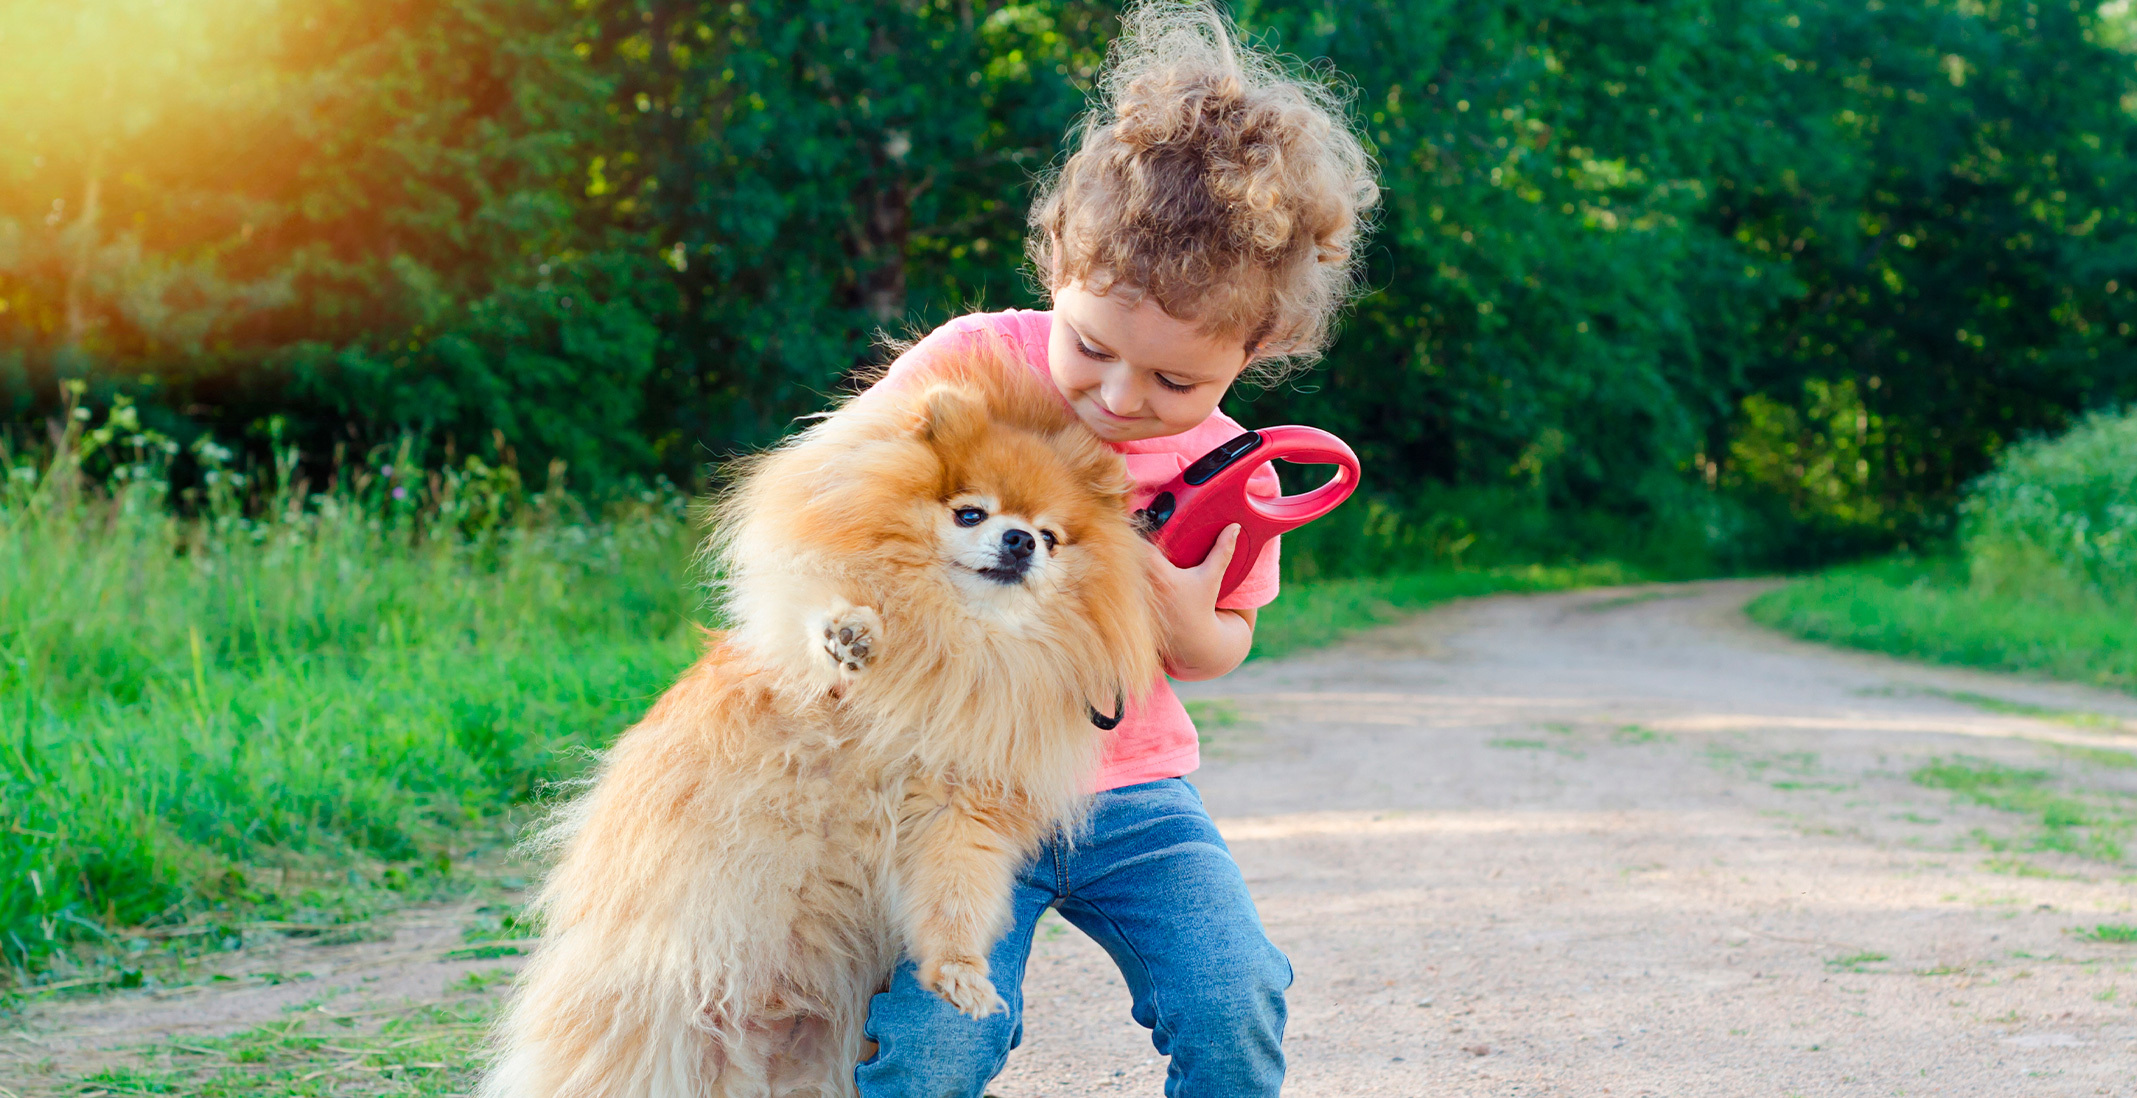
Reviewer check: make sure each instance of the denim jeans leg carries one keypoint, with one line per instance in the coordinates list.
(924, 1047)
(1153, 882)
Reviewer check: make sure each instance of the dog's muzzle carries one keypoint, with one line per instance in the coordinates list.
(1013, 557)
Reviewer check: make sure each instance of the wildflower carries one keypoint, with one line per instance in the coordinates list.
(400, 492)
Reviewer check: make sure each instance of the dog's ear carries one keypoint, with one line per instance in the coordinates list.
(948, 416)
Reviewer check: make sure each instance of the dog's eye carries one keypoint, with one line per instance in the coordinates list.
(969, 516)
(1050, 539)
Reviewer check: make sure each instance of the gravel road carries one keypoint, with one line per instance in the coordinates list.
(1623, 842)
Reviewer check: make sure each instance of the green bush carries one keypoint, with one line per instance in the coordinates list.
(2057, 519)
(2045, 580)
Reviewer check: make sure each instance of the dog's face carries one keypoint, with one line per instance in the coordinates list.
(984, 524)
(1020, 519)
(1021, 523)
(1000, 548)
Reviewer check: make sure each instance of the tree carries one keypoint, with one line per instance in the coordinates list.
(822, 172)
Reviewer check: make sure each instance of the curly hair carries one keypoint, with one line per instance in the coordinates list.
(1209, 177)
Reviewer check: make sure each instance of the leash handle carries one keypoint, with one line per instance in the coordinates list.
(1187, 513)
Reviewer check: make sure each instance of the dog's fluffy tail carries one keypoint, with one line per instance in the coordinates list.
(581, 1027)
(563, 1038)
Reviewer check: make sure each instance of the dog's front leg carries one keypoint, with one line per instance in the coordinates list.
(958, 855)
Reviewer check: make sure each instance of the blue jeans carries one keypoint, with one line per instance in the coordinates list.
(1150, 880)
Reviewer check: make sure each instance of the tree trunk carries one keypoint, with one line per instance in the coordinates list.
(889, 224)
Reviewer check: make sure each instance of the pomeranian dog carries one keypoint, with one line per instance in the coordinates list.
(932, 595)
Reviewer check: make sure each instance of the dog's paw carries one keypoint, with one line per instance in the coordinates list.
(852, 638)
(965, 985)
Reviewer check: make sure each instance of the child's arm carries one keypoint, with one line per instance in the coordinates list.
(1201, 640)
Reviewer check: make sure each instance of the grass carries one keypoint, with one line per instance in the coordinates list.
(2112, 932)
(2019, 867)
(1315, 613)
(2105, 758)
(1855, 962)
(2075, 718)
(305, 712)
(1927, 610)
(1208, 713)
(423, 1050)
(2067, 821)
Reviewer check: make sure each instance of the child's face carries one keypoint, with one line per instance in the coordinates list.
(1134, 371)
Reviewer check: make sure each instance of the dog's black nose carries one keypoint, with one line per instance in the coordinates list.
(1019, 544)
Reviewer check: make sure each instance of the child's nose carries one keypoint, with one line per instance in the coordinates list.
(1121, 396)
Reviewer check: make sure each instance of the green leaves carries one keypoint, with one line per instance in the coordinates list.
(365, 216)
(2057, 519)
(822, 172)
(1631, 254)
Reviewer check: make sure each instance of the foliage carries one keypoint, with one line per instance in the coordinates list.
(816, 173)
(2057, 519)
(1970, 268)
(360, 217)
(274, 709)
(1928, 609)
(1796, 268)
(2046, 579)
(1831, 252)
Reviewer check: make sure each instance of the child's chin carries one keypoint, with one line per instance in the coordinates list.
(1113, 430)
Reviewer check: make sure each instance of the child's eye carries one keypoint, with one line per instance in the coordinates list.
(969, 516)
(1172, 385)
(1092, 353)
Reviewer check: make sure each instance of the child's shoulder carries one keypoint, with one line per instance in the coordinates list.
(1029, 329)
(1026, 331)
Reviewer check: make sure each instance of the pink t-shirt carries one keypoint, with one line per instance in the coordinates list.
(1157, 738)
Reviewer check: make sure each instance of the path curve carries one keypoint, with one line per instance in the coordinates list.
(1624, 842)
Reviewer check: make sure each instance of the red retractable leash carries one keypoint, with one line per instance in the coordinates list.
(1189, 511)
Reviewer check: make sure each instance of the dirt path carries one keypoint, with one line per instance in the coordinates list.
(1611, 842)
(399, 964)
(1614, 842)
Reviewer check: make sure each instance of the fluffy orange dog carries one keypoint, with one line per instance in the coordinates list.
(928, 593)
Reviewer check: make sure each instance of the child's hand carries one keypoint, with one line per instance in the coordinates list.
(1200, 641)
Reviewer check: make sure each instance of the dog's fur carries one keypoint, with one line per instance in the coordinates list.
(893, 723)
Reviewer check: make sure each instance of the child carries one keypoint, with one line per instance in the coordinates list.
(1207, 226)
